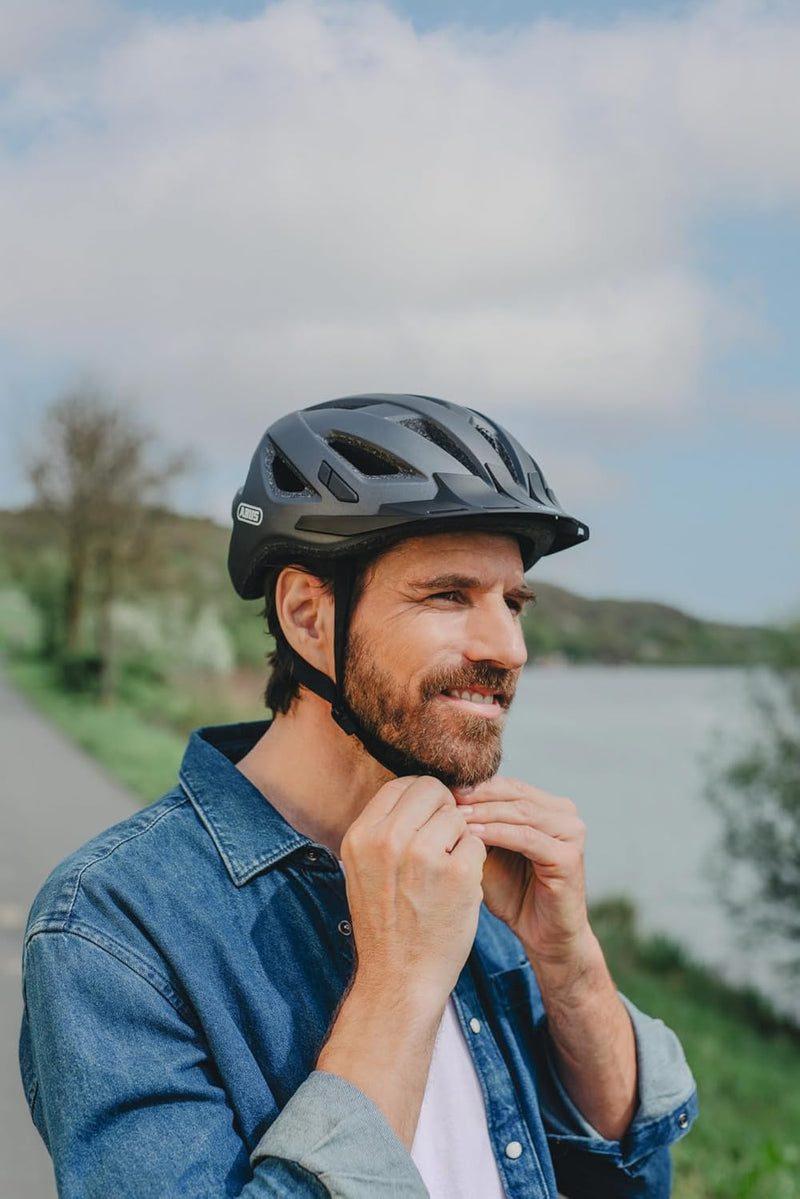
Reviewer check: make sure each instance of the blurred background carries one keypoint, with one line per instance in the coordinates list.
(581, 218)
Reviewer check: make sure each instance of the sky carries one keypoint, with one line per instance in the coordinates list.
(580, 218)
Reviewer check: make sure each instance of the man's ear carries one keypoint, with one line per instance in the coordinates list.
(305, 607)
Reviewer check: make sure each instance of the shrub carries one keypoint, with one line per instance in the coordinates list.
(757, 794)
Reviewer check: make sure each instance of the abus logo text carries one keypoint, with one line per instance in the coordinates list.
(249, 514)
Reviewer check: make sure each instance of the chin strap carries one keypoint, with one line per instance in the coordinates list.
(392, 759)
(308, 675)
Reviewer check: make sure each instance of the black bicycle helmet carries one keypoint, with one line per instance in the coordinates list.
(353, 475)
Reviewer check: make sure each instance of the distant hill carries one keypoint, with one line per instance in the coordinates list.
(561, 626)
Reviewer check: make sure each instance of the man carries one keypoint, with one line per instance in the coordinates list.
(344, 957)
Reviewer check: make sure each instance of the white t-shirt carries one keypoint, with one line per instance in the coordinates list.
(451, 1148)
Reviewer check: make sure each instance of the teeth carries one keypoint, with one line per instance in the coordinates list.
(474, 697)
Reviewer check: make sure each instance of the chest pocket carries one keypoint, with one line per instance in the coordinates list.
(516, 990)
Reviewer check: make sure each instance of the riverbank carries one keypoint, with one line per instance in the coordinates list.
(745, 1058)
(746, 1143)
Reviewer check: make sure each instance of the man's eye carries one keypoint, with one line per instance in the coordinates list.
(455, 597)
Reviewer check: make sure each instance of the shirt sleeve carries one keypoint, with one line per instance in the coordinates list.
(125, 1093)
(639, 1164)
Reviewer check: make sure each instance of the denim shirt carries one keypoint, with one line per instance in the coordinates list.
(181, 972)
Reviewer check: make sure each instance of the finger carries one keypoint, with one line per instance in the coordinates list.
(556, 823)
(384, 800)
(503, 788)
(441, 832)
(551, 856)
(415, 807)
(471, 851)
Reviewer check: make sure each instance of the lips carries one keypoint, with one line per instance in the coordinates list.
(483, 685)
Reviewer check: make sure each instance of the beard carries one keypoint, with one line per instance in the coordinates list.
(459, 749)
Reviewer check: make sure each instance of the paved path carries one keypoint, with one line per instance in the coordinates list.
(52, 799)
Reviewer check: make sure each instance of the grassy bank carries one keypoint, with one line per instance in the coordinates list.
(746, 1144)
(746, 1060)
(141, 755)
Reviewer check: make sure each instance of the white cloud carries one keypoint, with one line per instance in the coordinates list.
(233, 218)
(40, 33)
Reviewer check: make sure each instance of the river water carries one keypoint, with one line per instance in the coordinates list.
(627, 745)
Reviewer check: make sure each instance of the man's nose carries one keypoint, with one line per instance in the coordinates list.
(495, 635)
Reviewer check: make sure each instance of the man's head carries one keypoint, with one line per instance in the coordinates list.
(351, 488)
(434, 651)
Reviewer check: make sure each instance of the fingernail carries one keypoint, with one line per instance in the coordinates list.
(466, 808)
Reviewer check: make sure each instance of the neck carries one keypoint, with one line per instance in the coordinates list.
(318, 778)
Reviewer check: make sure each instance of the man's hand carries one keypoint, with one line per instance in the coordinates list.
(533, 878)
(413, 873)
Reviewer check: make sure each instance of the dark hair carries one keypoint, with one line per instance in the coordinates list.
(282, 687)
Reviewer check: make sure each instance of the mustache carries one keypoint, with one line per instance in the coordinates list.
(493, 678)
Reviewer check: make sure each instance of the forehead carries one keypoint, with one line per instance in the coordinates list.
(491, 557)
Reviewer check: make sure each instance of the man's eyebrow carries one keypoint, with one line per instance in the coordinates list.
(466, 583)
(525, 594)
(445, 583)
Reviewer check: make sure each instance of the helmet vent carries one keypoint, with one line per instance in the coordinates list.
(434, 433)
(285, 477)
(500, 449)
(370, 460)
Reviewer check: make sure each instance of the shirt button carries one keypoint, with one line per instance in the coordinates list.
(513, 1150)
(475, 1025)
(312, 855)
(683, 1121)
(345, 928)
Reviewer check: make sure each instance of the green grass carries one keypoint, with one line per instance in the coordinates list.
(143, 757)
(746, 1142)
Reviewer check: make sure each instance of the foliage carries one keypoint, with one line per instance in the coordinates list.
(757, 795)
(97, 479)
(79, 673)
(43, 581)
(745, 1059)
(615, 922)
(20, 622)
(168, 634)
(208, 646)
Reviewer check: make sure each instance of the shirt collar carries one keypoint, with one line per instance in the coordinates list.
(250, 835)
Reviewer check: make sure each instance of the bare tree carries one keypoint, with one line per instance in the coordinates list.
(98, 474)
